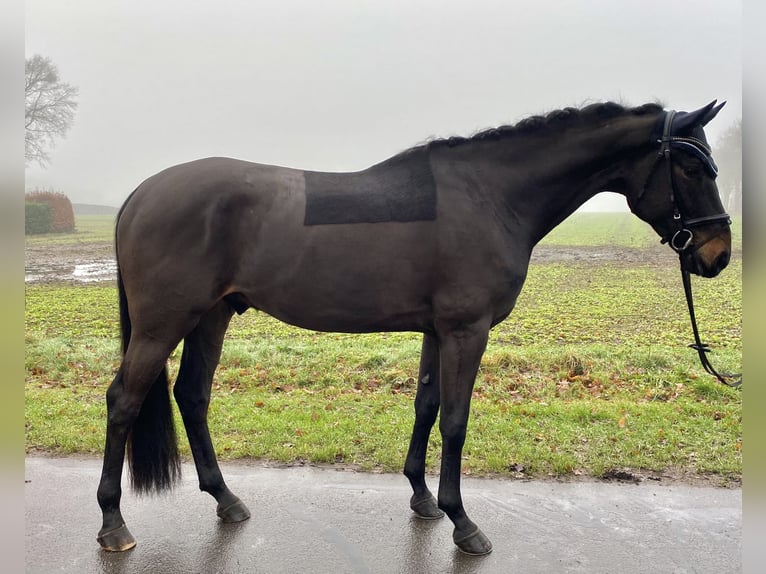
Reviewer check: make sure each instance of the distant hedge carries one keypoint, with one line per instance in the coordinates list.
(37, 218)
(59, 217)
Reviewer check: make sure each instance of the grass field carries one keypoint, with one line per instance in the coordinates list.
(590, 374)
(88, 229)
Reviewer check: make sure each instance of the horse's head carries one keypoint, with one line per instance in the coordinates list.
(680, 198)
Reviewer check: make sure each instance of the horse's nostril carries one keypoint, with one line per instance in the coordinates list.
(722, 261)
(718, 265)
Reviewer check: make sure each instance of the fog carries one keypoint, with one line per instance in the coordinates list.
(339, 85)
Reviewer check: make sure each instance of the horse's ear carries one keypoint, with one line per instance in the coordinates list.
(688, 120)
(713, 112)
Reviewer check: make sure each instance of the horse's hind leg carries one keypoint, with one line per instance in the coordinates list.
(202, 351)
(142, 370)
(423, 502)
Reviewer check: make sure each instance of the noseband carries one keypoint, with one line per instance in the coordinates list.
(681, 239)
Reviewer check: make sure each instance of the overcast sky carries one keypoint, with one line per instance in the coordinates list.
(339, 85)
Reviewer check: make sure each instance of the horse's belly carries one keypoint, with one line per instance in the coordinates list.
(354, 278)
(351, 318)
(345, 304)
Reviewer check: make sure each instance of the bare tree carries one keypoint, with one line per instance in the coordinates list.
(728, 154)
(49, 110)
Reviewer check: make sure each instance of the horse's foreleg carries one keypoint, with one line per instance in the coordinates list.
(423, 502)
(202, 351)
(460, 354)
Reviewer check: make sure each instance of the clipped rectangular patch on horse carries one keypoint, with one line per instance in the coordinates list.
(400, 189)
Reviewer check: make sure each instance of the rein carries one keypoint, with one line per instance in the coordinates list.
(682, 238)
(730, 380)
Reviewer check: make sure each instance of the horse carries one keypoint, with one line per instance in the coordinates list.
(435, 240)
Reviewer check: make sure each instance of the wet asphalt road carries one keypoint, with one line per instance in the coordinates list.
(327, 521)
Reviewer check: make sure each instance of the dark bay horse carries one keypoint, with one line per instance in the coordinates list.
(435, 240)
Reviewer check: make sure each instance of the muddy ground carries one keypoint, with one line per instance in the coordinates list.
(69, 262)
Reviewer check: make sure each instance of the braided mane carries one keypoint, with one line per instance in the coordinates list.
(556, 119)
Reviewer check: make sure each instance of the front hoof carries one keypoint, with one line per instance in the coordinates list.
(235, 512)
(426, 508)
(117, 540)
(473, 544)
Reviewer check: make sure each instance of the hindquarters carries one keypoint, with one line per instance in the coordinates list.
(170, 272)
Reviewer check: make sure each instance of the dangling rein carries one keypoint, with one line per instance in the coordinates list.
(730, 380)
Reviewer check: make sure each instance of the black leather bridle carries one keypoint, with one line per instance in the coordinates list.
(680, 239)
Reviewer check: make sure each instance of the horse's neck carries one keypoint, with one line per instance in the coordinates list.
(541, 181)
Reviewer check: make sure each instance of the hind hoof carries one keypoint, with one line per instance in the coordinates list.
(117, 540)
(426, 508)
(473, 544)
(235, 512)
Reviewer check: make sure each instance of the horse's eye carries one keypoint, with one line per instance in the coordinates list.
(692, 171)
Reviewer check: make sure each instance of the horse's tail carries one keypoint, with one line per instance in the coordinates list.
(152, 445)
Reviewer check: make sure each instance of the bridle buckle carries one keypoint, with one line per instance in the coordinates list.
(678, 244)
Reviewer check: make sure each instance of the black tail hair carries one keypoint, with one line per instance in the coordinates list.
(152, 446)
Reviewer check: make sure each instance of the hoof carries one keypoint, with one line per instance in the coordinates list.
(235, 512)
(473, 544)
(117, 540)
(426, 508)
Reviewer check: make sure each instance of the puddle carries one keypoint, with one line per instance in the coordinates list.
(98, 271)
(90, 272)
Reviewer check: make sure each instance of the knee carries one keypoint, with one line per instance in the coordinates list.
(191, 403)
(426, 410)
(453, 431)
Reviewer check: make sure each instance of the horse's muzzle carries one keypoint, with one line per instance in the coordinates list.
(700, 265)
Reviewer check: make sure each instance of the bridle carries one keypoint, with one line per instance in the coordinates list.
(680, 239)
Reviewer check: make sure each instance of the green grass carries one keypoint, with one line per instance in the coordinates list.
(625, 229)
(88, 229)
(590, 373)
